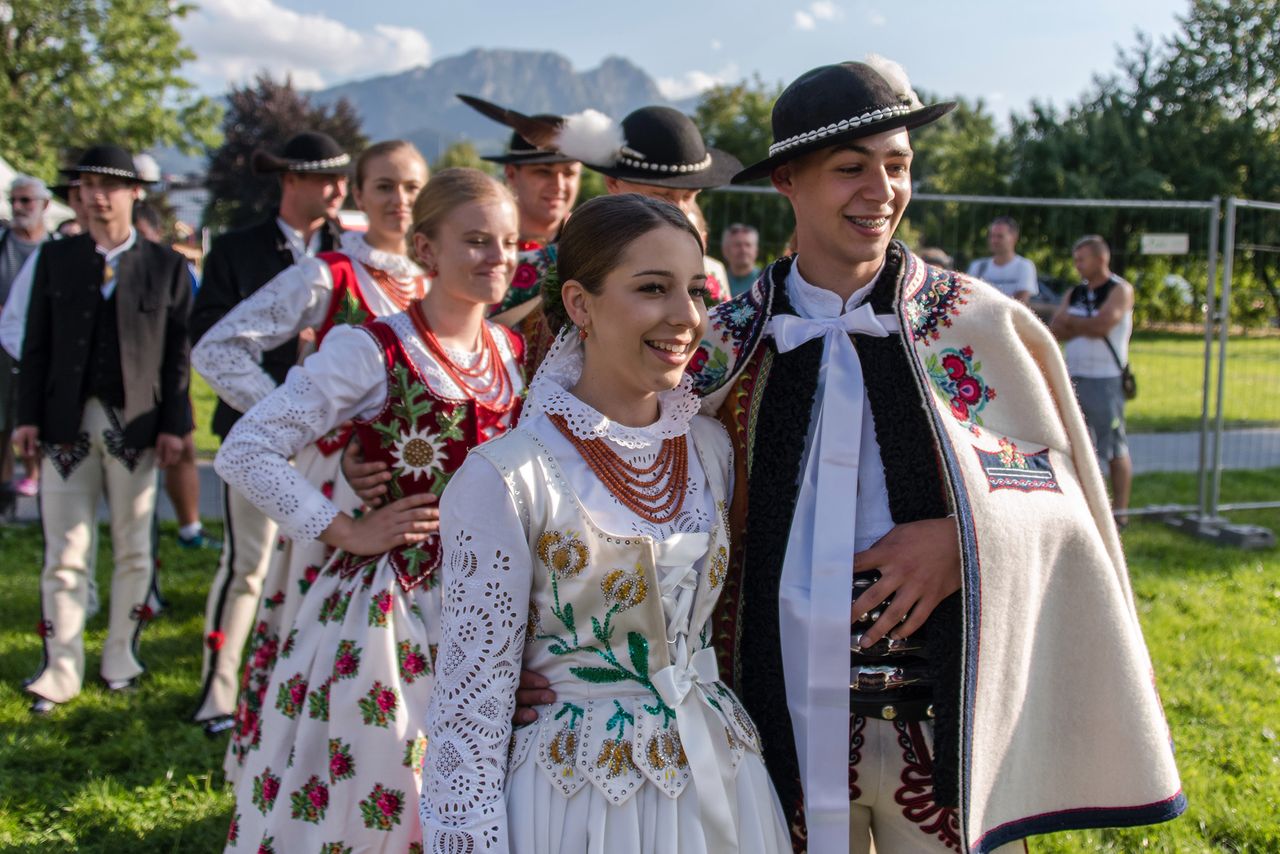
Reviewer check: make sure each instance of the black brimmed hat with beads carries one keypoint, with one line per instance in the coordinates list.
(311, 153)
(658, 146)
(105, 159)
(838, 103)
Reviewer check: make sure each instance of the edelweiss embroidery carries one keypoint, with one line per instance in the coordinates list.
(1009, 468)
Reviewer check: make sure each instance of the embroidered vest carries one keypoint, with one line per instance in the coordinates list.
(347, 306)
(423, 437)
(597, 630)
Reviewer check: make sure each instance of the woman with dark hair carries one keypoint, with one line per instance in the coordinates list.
(338, 765)
(370, 276)
(597, 560)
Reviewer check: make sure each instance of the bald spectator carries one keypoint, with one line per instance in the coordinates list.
(1009, 272)
(740, 246)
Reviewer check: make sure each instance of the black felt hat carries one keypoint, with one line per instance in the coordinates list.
(105, 159)
(521, 152)
(837, 103)
(653, 145)
(663, 147)
(311, 152)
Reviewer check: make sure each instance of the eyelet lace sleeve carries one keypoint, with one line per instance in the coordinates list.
(487, 579)
(344, 379)
(229, 355)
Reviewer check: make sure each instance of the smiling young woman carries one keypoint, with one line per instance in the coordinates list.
(353, 672)
(596, 562)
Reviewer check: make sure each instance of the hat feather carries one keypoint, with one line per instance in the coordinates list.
(591, 137)
(896, 76)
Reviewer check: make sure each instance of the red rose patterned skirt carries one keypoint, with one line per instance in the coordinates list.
(337, 766)
(294, 567)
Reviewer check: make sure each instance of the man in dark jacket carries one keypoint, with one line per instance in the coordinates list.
(104, 395)
(313, 182)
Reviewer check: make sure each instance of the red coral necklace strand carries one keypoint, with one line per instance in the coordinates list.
(488, 382)
(655, 492)
(400, 294)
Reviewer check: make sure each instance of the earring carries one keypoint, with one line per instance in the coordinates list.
(582, 334)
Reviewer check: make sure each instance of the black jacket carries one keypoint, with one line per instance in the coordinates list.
(153, 300)
(239, 263)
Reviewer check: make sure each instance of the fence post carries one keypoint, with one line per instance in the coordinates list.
(1228, 263)
(1210, 291)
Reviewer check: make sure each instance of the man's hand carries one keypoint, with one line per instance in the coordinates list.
(410, 520)
(919, 565)
(168, 449)
(368, 480)
(534, 690)
(26, 441)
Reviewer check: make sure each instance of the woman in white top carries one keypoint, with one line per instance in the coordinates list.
(371, 276)
(590, 544)
(338, 766)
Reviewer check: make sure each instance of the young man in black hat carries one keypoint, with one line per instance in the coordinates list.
(104, 395)
(313, 172)
(545, 184)
(877, 465)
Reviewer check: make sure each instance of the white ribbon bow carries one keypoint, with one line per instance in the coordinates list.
(816, 586)
(703, 738)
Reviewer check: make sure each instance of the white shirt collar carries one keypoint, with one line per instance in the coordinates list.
(813, 302)
(297, 246)
(112, 254)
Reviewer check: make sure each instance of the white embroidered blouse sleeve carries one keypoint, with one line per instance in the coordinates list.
(229, 355)
(344, 379)
(487, 578)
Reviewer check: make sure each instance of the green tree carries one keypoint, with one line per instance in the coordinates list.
(462, 154)
(77, 72)
(737, 118)
(265, 114)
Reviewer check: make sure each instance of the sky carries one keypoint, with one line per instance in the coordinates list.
(1006, 53)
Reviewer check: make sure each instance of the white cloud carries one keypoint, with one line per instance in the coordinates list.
(819, 10)
(695, 82)
(235, 39)
(824, 10)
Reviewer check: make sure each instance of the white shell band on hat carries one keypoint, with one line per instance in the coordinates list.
(310, 165)
(839, 127)
(702, 164)
(107, 170)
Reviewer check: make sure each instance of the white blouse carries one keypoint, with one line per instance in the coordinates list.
(229, 355)
(470, 600)
(345, 379)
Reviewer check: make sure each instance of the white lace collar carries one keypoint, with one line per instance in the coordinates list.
(355, 247)
(549, 394)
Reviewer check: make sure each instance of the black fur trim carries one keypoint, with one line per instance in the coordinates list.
(774, 487)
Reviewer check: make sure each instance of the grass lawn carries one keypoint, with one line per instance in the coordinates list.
(1170, 372)
(203, 401)
(129, 774)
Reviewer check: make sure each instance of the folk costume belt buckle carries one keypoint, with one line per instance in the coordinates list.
(879, 678)
(886, 646)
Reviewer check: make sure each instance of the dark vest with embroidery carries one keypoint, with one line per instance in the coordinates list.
(770, 407)
(423, 438)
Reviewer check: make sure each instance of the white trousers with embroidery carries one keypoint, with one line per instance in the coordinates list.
(70, 488)
(248, 538)
(891, 785)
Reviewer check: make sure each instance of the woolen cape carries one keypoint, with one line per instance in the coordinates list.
(1048, 715)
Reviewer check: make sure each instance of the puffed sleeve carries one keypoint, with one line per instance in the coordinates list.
(229, 355)
(342, 380)
(487, 578)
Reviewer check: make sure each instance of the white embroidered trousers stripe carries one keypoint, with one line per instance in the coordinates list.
(893, 811)
(247, 540)
(69, 511)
